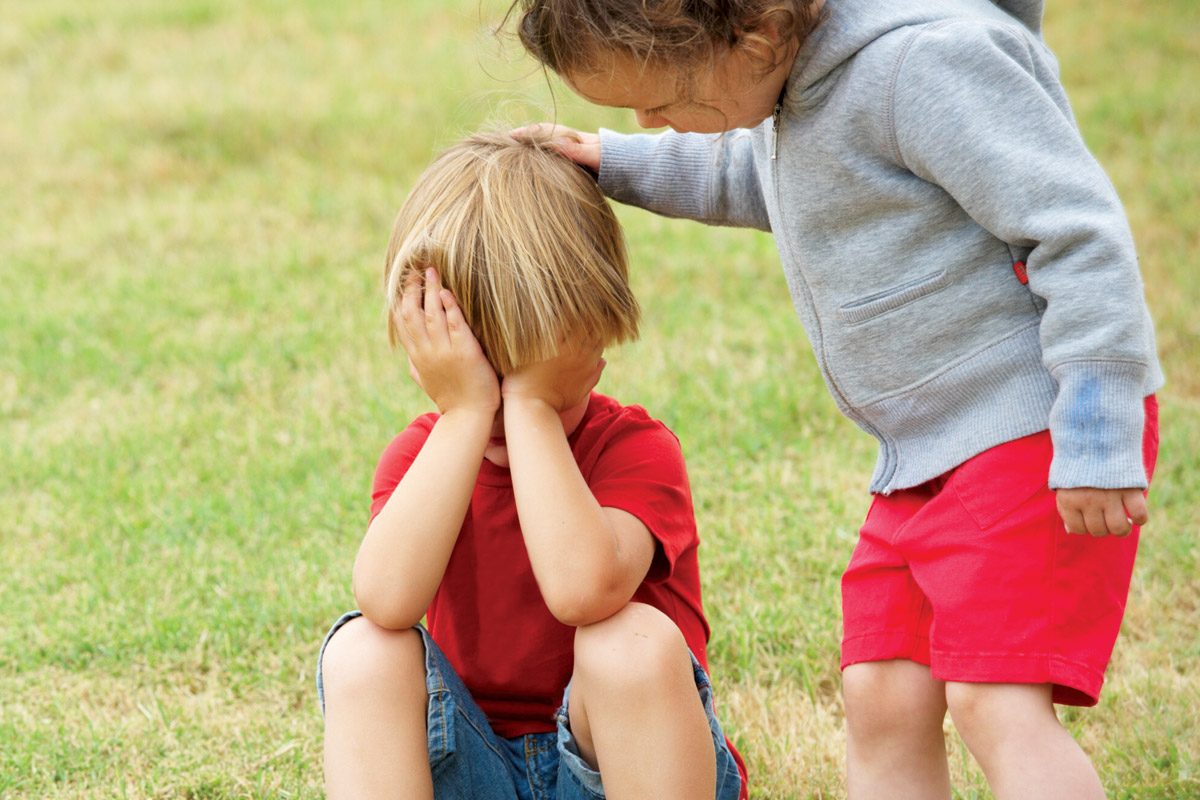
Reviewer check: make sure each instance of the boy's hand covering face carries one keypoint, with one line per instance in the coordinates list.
(444, 357)
(562, 382)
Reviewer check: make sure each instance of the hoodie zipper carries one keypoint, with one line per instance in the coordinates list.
(775, 129)
(848, 409)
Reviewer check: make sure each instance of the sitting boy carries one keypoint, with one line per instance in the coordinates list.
(546, 530)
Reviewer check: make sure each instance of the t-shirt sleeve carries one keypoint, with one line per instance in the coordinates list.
(397, 457)
(641, 471)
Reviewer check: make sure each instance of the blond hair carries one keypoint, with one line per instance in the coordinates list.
(524, 240)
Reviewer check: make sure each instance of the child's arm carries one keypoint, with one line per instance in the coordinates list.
(404, 554)
(707, 178)
(978, 112)
(588, 560)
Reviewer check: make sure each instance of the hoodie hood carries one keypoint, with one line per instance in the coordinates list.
(1027, 12)
(848, 26)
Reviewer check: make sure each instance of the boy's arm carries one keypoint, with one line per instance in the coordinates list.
(404, 554)
(978, 112)
(588, 560)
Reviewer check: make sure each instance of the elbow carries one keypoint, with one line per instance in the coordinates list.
(580, 606)
(388, 610)
(579, 616)
(390, 619)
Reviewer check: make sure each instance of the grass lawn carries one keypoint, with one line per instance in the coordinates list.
(195, 197)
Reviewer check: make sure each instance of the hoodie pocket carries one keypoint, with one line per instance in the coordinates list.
(865, 308)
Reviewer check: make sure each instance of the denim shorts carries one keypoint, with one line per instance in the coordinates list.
(470, 762)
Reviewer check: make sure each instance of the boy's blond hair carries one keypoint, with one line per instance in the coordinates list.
(524, 240)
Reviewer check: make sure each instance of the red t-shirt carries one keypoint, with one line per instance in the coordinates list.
(488, 615)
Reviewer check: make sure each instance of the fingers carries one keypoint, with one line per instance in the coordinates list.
(1093, 520)
(546, 132)
(1115, 520)
(411, 325)
(422, 315)
(435, 314)
(1102, 512)
(1071, 516)
(582, 148)
(1136, 508)
(456, 324)
(541, 130)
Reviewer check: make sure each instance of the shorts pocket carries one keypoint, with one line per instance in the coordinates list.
(995, 483)
(865, 308)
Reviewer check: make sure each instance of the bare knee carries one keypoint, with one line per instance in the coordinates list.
(363, 657)
(889, 699)
(638, 647)
(988, 713)
(969, 707)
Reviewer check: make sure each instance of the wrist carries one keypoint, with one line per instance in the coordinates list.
(523, 410)
(470, 416)
(527, 404)
(470, 403)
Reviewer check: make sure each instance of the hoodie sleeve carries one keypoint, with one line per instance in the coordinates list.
(978, 112)
(707, 178)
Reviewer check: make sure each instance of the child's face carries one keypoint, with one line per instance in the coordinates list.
(570, 376)
(719, 97)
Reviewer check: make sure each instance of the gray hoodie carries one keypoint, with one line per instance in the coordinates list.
(961, 263)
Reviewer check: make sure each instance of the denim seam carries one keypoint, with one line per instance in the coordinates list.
(484, 736)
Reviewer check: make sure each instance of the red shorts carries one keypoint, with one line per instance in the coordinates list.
(974, 574)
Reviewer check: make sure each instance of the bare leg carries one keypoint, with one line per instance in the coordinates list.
(895, 745)
(635, 711)
(375, 706)
(1016, 737)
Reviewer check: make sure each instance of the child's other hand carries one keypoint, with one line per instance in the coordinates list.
(582, 148)
(1102, 512)
(560, 382)
(444, 357)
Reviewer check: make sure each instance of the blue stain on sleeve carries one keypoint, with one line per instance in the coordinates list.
(1084, 420)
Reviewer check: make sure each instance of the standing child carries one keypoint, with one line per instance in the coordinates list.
(545, 529)
(969, 285)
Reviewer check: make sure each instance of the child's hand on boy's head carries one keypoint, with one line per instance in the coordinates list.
(444, 357)
(560, 382)
(582, 148)
(1102, 511)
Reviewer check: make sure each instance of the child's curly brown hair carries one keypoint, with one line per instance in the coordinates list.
(572, 36)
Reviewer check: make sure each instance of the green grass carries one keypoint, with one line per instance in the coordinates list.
(194, 386)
